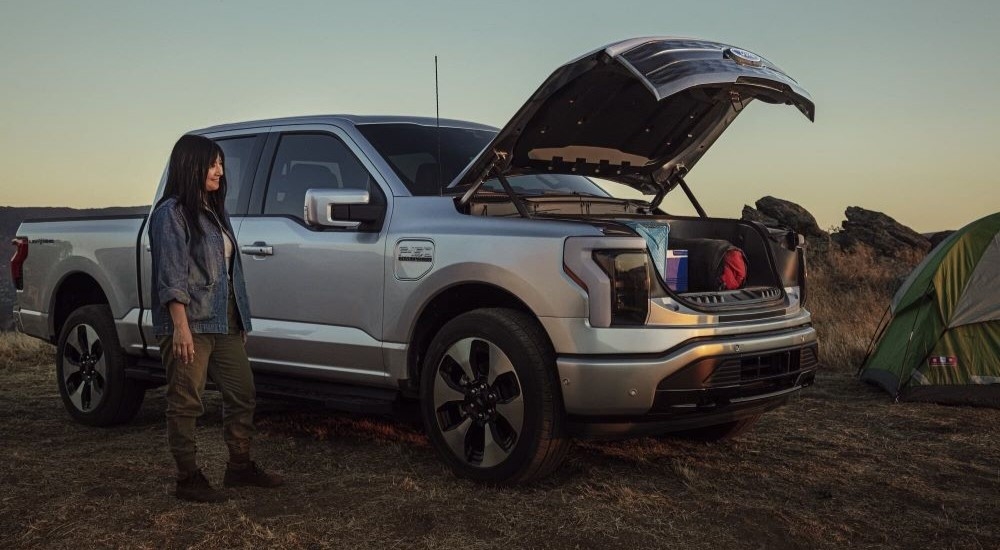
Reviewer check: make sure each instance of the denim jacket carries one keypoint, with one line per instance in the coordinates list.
(193, 272)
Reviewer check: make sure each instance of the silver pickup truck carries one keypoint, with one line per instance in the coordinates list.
(482, 275)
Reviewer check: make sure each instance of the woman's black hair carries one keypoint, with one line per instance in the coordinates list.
(186, 173)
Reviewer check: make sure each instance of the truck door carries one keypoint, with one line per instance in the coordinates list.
(315, 292)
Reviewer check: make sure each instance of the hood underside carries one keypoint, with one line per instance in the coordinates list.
(640, 112)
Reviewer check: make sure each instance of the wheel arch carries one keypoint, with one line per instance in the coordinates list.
(447, 304)
(74, 290)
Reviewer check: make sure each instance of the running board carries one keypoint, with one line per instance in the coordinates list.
(358, 399)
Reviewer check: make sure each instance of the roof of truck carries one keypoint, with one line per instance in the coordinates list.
(341, 119)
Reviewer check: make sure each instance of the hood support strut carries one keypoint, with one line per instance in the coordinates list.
(497, 172)
(518, 203)
(690, 195)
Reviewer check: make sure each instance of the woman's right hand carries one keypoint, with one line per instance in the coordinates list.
(183, 344)
(183, 341)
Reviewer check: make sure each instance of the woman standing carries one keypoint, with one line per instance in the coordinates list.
(201, 316)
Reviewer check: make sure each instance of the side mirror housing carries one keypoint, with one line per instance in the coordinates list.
(340, 208)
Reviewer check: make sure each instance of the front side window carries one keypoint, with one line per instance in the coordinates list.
(312, 161)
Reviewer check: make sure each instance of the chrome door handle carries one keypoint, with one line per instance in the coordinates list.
(258, 248)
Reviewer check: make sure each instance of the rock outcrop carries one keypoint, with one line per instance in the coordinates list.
(787, 213)
(882, 233)
(754, 215)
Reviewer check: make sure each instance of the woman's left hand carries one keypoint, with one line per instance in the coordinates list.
(243, 335)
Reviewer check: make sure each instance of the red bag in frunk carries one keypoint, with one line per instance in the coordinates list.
(734, 269)
(713, 264)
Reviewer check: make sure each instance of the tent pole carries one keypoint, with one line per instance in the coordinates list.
(879, 331)
(909, 341)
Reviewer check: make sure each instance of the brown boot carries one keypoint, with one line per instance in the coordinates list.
(194, 487)
(249, 474)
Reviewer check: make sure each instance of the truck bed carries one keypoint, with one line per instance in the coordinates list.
(103, 249)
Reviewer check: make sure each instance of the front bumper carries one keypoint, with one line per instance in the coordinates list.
(720, 376)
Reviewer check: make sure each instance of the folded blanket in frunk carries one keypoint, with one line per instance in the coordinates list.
(655, 233)
(713, 264)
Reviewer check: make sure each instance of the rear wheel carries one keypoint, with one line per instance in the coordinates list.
(490, 399)
(719, 432)
(90, 368)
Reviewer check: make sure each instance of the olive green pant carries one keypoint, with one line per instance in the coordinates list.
(223, 358)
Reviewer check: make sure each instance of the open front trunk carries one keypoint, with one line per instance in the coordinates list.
(772, 256)
(769, 257)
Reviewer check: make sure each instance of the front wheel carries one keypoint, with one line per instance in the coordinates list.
(490, 399)
(90, 369)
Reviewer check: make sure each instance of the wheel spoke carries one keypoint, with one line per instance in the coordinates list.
(499, 364)
(513, 412)
(76, 397)
(479, 358)
(81, 338)
(460, 352)
(88, 395)
(72, 376)
(493, 452)
(444, 391)
(455, 437)
(72, 353)
(94, 341)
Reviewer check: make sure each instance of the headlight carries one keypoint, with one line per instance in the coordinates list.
(629, 274)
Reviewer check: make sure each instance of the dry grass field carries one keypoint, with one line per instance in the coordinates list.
(841, 466)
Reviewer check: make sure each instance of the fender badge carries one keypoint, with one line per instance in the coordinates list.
(744, 57)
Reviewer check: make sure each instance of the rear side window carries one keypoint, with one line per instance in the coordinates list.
(239, 170)
(312, 161)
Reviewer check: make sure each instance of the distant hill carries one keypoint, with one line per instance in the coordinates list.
(11, 217)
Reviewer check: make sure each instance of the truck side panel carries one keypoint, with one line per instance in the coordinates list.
(67, 256)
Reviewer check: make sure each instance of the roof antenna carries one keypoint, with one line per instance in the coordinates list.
(437, 117)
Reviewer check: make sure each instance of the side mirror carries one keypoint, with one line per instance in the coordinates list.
(333, 207)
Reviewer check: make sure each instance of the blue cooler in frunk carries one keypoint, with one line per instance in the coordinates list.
(677, 270)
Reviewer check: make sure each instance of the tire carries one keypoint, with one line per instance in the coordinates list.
(90, 370)
(719, 432)
(499, 418)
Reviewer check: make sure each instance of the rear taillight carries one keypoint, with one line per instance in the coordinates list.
(630, 278)
(17, 262)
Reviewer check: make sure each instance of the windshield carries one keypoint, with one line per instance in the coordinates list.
(548, 184)
(412, 151)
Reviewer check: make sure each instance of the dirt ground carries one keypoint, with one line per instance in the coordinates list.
(841, 466)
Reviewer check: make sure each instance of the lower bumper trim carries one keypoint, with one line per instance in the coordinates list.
(623, 427)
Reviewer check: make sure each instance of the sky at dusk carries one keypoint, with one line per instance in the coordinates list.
(94, 94)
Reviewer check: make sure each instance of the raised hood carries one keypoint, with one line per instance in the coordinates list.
(640, 112)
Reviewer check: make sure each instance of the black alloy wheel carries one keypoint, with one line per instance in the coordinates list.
(478, 402)
(489, 398)
(90, 370)
(85, 368)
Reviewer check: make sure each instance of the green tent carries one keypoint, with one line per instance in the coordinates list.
(941, 342)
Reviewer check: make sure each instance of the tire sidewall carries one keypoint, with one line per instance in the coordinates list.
(529, 365)
(98, 317)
